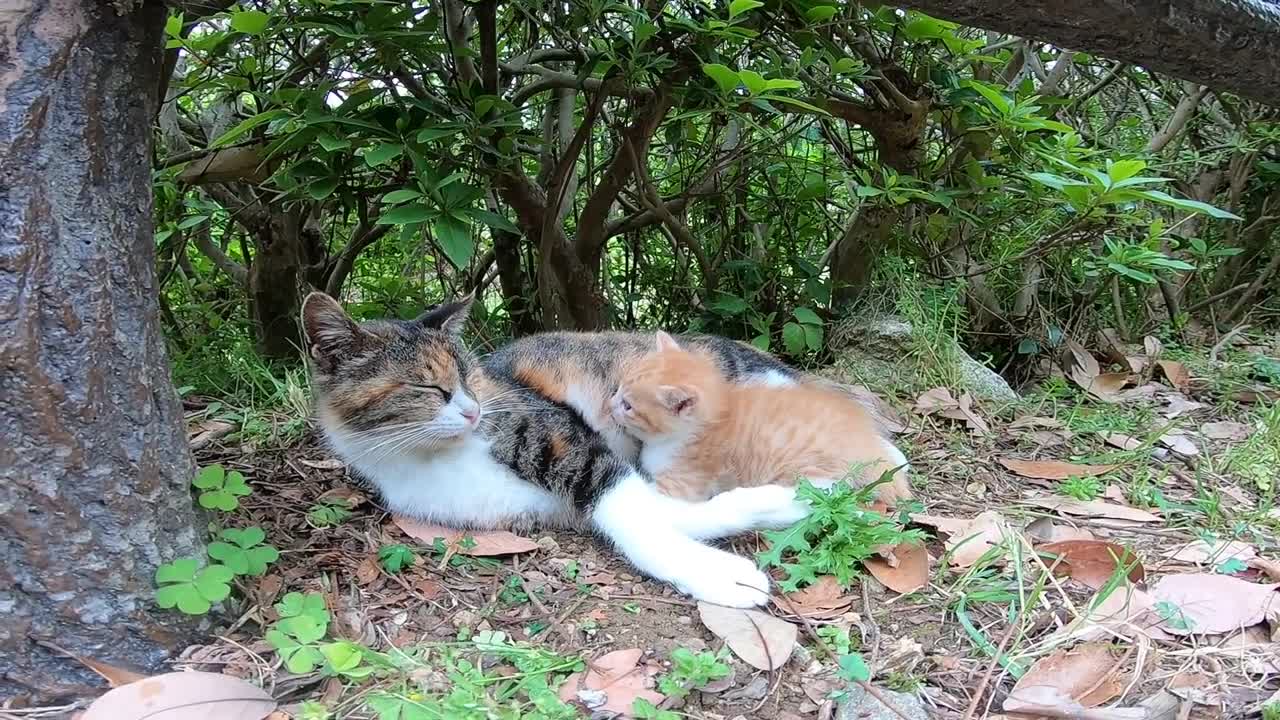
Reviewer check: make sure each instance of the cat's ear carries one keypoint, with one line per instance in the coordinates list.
(666, 342)
(330, 331)
(450, 317)
(678, 399)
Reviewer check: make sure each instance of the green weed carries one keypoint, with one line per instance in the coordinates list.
(243, 551)
(221, 489)
(691, 671)
(1081, 488)
(395, 558)
(328, 513)
(191, 589)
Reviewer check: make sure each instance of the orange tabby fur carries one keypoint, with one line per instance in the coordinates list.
(713, 436)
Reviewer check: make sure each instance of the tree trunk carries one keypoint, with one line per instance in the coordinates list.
(1227, 44)
(274, 278)
(94, 464)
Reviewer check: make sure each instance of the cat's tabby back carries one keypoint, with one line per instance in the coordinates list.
(514, 439)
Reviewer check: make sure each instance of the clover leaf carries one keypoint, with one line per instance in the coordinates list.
(221, 488)
(244, 552)
(190, 589)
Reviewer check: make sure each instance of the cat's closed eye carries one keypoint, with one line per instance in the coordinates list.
(435, 389)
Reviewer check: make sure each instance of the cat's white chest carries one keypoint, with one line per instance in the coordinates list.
(659, 456)
(461, 486)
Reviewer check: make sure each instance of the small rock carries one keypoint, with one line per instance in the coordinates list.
(696, 644)
(859, 705)
(751, 692)
(548, 543)
(684, 620)
(464, 619)
(807, 708)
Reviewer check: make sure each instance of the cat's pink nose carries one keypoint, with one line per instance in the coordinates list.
(471, 414)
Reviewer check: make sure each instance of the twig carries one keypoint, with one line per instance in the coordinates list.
(870, 689)
(1222, 344)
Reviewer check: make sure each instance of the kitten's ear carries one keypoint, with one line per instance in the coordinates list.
(450, 317)
(666, 342)
(330, 331)
(678, 399)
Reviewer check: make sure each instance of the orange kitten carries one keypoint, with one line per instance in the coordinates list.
(702, 435)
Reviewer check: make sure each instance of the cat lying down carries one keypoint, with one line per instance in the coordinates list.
(521, 437)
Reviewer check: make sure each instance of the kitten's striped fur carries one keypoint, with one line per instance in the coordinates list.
(513, 439)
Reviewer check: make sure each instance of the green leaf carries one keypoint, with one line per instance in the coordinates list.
(399, 196)
(454, 238)
(761, 342)
(438, 132)
(395, 558)
(726, 78)
(813, 336)
(413, 213)
(192, 603)
(212, 582)
(493, 220)
(793, 339)
(209, 477)
(180, 570)
(782, 84)
(796, 103)
(993, 96)
(737, 7)
(168, 596)
(754, 81)
(807, 316)
(331, 143)
(384, 153)
(193, 221)
(235, 484)
(853, 668)
(1125, 169)
(820, 13)
(173, 26)
(249, 22)
(1231, 566)
(323, 188)
(246, 125)
(1185, 204)
(728, 304)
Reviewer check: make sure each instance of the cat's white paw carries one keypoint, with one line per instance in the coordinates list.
(765, 506)
(726, 579)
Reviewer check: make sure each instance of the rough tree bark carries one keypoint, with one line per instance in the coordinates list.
(1228, 44)
(94, 465)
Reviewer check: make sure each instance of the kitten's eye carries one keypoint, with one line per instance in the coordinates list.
(626, 405)
(436, 388)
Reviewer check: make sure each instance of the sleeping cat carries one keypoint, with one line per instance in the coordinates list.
(703, 435)
(512, 440)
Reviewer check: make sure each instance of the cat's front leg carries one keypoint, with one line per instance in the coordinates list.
(652, 531)
(764, 507)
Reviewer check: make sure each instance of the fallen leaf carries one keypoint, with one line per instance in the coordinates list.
(911, 572)
(1087, 674)
(1082, 360)
(1177, 406)
(206, 432)
(1092, 562)
(1045, 530)
(1053, 469)
(187, 695)
(1153, 347)
(971, 541)
(352, 497)
(1256, 395)
(1226, 430)
(1270, 568)
(604, 577)
(940, 400)
(487, 544)
(1107, 386)
(763, 641)
(1254, 647)
(1113, 493)
(330, 464)
(947, 525)
(612, 683)
(1122, 441)
(823, 600)
(1199, 552)
(1180, 444)
(1123, 612)
(931, 401)
(1043, 698)
(428, 588)
(1111, 346)
(1207, 604)
(367, 571)
(1195, 687)
(1176, 373)
(1093, 508)
(1032, 422)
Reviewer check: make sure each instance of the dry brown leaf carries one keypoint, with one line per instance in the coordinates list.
(1107, 386)
(1053, 469)
(932, 401)
(204, 433)
(1087, 674)
(1208, 604)
(911, 572)
(763, 641)
(1256, 395)
(490, 543)
(1093, 508)
(1092, 562)
(345, 493)
(1226, 430)
(1270, 568)
(1111, 346)
(329, 464)
(1120, 440)
(1037, 701)
(186, 695)
(822, 600)
(367, 571)
(947, 525)
(1123, 612)
(1035, 422)
(940, 400)
(1176, 373)
(1180, 444)
(612, 683)
(1045, 530)
(1178, 405)
(1196, 687)
(1199, 552)
(1082, 359)
(971, 541)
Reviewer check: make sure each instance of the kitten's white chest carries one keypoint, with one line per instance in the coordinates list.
(658, 456)
(461, 486)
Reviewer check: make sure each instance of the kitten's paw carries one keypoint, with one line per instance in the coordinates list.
(765, 506)
(727, 580)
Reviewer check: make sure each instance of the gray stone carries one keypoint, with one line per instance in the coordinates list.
(858, 704)
(880, 352)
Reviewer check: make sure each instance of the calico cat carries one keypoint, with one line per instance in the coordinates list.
(512, 440)
(703, 435)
